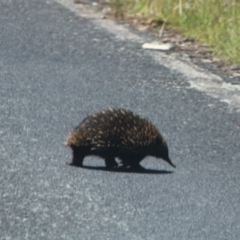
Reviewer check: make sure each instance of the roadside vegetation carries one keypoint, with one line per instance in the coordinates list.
(214, 22)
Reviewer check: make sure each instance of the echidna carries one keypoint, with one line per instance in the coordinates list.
(117, 133)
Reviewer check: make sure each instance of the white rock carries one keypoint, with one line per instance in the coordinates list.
(158, 46)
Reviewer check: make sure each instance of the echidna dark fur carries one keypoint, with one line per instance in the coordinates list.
(117, 133)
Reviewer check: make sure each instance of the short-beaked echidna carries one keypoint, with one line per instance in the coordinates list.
(117, 133)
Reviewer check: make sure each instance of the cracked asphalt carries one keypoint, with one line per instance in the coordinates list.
(57, 67)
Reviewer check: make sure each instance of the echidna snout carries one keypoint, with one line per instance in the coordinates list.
(168, 160)
(165, 156)
(160, 150)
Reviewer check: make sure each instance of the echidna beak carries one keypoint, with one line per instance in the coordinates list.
(170, 162)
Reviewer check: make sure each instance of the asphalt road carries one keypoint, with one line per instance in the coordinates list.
(56, 67)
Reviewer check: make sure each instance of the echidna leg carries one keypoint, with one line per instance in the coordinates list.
(125, 163)
(110, 162)
(133, 162)
(137, 161)
(77, 159)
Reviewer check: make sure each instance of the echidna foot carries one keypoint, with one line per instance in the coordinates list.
(111, 163)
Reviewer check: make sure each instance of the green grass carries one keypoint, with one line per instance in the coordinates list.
(214, 22)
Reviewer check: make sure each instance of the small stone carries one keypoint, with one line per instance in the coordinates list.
(158, 46)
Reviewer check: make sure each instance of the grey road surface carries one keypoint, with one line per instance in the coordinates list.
(57, 67)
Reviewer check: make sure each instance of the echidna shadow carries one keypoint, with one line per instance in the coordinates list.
(117, 133)
(141, 170)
